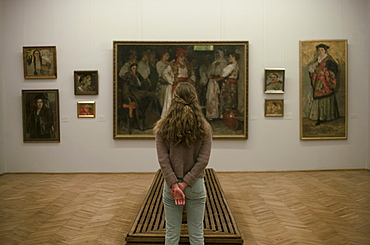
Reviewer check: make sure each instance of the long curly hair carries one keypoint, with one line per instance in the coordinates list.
(185, 122)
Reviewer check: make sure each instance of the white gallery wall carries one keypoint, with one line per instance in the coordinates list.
(2, 162)
(368, 86)
(83, 33)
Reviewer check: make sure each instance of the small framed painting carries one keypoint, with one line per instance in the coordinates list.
(86, 109)
(40, 62)
(274, 81)
(274, 107)
(86, 82)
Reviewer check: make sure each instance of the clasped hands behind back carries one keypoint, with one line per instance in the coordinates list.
(177, 190)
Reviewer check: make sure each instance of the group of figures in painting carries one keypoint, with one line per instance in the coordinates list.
(148, 78)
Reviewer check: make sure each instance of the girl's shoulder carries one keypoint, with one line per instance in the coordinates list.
(207, 127)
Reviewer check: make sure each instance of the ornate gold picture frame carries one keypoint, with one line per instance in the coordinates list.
(323, 89)
(145, 74)
(86, 109)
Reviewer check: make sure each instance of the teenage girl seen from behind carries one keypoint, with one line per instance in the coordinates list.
(183, 142)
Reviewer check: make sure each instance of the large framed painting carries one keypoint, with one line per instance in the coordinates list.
(145, 75)
(40, 62)
(323, 89)
(40, 110)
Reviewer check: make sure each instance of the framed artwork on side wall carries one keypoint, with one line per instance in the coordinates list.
(40, 111)
(86, 82)
(274, 107)
(274, 80)
(40, 62)
(86, 109)
(323, 89)
(145, 75)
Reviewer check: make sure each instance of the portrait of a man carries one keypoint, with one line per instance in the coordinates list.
(274, 80)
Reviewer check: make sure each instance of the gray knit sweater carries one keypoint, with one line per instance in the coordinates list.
(178, 161)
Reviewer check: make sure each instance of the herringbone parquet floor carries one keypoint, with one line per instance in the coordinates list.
(323, 207)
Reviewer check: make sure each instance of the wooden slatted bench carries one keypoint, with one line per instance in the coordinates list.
(219, 224)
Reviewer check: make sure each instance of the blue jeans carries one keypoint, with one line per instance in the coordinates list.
(195, 204)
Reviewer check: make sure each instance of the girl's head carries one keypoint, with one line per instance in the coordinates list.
(184, 105)
(233, 57)
(165, 55)
(219, 54)
(184, 123)
(181, 54)
(185, 94)
(36, 53)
